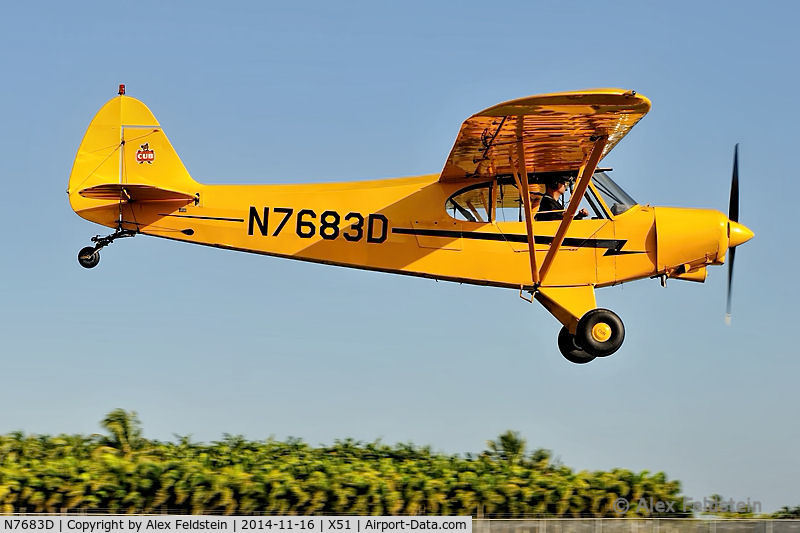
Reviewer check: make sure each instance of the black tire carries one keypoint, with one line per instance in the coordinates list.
(600, 332)
(88, 257)
(570, 350)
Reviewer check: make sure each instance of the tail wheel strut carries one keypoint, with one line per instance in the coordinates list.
(89, 256)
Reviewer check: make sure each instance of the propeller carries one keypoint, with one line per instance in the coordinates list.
(733, 215)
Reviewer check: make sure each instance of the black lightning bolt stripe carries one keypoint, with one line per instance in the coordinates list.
(613, 246)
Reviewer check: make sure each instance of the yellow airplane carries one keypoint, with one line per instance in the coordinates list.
(478, 221)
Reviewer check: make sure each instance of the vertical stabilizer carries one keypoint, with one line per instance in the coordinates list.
(123, 145)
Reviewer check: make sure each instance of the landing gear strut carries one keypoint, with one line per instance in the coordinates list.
(89, 256)
(599, 333)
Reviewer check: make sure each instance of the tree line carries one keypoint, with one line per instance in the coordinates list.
(122, 472)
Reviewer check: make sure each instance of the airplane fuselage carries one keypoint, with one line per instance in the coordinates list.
(401, 226)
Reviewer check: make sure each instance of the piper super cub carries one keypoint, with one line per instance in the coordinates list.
(477, 221)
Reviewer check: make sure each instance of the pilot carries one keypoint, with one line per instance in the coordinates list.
(554, 189)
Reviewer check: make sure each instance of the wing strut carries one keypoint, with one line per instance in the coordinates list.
(521, 176)
(584, 176)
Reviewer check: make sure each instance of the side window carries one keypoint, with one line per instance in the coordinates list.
(508, 203)
(500, 201)
(471, 204)
(592, 205)
(588, 208)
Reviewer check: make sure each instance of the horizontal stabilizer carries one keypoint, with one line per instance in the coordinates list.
(128, 192)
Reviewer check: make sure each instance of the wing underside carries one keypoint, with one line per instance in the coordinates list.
(557, 132)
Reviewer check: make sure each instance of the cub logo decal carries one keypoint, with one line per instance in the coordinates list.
(145, 155)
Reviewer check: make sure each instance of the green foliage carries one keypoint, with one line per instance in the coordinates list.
(123, 472)
(509, 446)
(786, 512)
(125, 429)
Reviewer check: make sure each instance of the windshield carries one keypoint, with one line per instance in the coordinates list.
(614, 197)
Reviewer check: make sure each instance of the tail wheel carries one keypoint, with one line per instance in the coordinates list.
(88, 257)
(570, 350)
(600, 332)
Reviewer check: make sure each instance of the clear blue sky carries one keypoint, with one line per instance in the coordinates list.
(203, 342)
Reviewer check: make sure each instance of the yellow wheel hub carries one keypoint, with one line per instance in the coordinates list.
(601, 332)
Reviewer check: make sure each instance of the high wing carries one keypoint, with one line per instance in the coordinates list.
(557, 132)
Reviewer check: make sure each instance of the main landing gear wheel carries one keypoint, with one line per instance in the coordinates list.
(88, 257)
(570, 350)
(600, 332)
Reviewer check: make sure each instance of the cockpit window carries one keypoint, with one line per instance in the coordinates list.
(496, 201)
(499, 201)
(471, 204)
(614, 197)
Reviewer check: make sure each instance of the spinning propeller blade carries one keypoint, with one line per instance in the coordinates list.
(733, 215)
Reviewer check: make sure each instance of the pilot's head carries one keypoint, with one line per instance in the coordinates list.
(558, 184)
